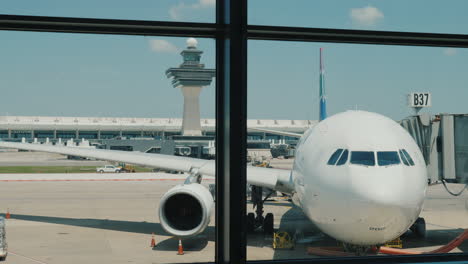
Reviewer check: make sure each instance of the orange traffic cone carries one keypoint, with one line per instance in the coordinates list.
(181, 249)
(7, 216)
(153, 242)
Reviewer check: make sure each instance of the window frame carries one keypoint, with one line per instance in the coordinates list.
(336, 154)
(408, 157)
(232, 32)
(403, 158)
(342, 156)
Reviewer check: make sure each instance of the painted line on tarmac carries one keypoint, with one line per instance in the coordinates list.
(73, 180)
(35, 260)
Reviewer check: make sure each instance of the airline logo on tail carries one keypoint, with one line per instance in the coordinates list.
(323, 102)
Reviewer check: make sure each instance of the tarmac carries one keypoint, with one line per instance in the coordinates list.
(109, 218)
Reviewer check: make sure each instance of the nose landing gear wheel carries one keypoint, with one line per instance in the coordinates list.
(250, 222)
(419, 227)
(268, 224)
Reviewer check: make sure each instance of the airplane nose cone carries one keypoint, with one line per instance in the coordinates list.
(384, 205)
(370, 206)
(395, 186)
(377, 223)
(369, 222)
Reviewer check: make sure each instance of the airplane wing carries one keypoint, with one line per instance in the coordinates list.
(276, 179)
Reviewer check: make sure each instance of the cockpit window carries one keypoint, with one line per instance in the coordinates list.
(408, 157)
(365, 158)
(403, 158)
(334, 157)
(343, 158)
(386, 158)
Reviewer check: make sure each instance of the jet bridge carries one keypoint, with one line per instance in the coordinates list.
(443, 140)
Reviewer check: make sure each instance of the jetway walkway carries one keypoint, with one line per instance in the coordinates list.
(443, 140)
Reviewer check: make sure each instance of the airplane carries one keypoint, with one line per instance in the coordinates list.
(358, 176)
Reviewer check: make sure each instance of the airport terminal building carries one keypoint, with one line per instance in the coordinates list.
(442, 138)
(97, 128)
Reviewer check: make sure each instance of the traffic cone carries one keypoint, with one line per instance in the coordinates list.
(153, 242)
(181, 249)
(7, 216)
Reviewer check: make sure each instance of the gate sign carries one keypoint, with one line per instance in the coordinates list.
(419, 100)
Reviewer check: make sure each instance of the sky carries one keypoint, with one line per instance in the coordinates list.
(57, 74)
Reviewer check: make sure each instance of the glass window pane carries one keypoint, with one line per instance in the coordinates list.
(343, 158)
(432, 16)
(408, 157)
(403, 158)
(334, 157)
(359, 83)
(385, 158)
(122, 97)
(461, 146)
(161, 10)
(363, 158)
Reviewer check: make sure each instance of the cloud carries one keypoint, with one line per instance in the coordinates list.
(162, 46)
(450, 51)
(366, 16)
(176, 12)
(208, 3)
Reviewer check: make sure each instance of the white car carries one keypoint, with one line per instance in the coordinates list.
(108, 168)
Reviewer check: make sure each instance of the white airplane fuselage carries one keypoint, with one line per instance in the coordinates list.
(354, 203)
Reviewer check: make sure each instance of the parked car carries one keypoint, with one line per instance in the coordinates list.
(108, 168)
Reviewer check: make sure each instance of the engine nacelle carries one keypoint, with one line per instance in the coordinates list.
(185, 210)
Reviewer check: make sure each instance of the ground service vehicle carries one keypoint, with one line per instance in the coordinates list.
(108, 168)
(126, 168)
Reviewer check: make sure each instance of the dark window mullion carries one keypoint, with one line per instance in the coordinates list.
(356, 36)
(231, 130)
(107, 26)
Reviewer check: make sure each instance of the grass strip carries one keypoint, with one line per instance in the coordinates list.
(58, 169)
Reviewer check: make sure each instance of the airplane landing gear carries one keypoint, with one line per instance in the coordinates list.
(268, 223)
(419, 227)
(254, 222)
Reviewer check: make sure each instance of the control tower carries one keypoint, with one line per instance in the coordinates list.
(190, 77)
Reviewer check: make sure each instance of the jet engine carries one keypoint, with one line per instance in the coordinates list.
(185, 210)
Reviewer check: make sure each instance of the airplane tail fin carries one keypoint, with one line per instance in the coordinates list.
(323, 101)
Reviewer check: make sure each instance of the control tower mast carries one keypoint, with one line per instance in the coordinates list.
(190, 77)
